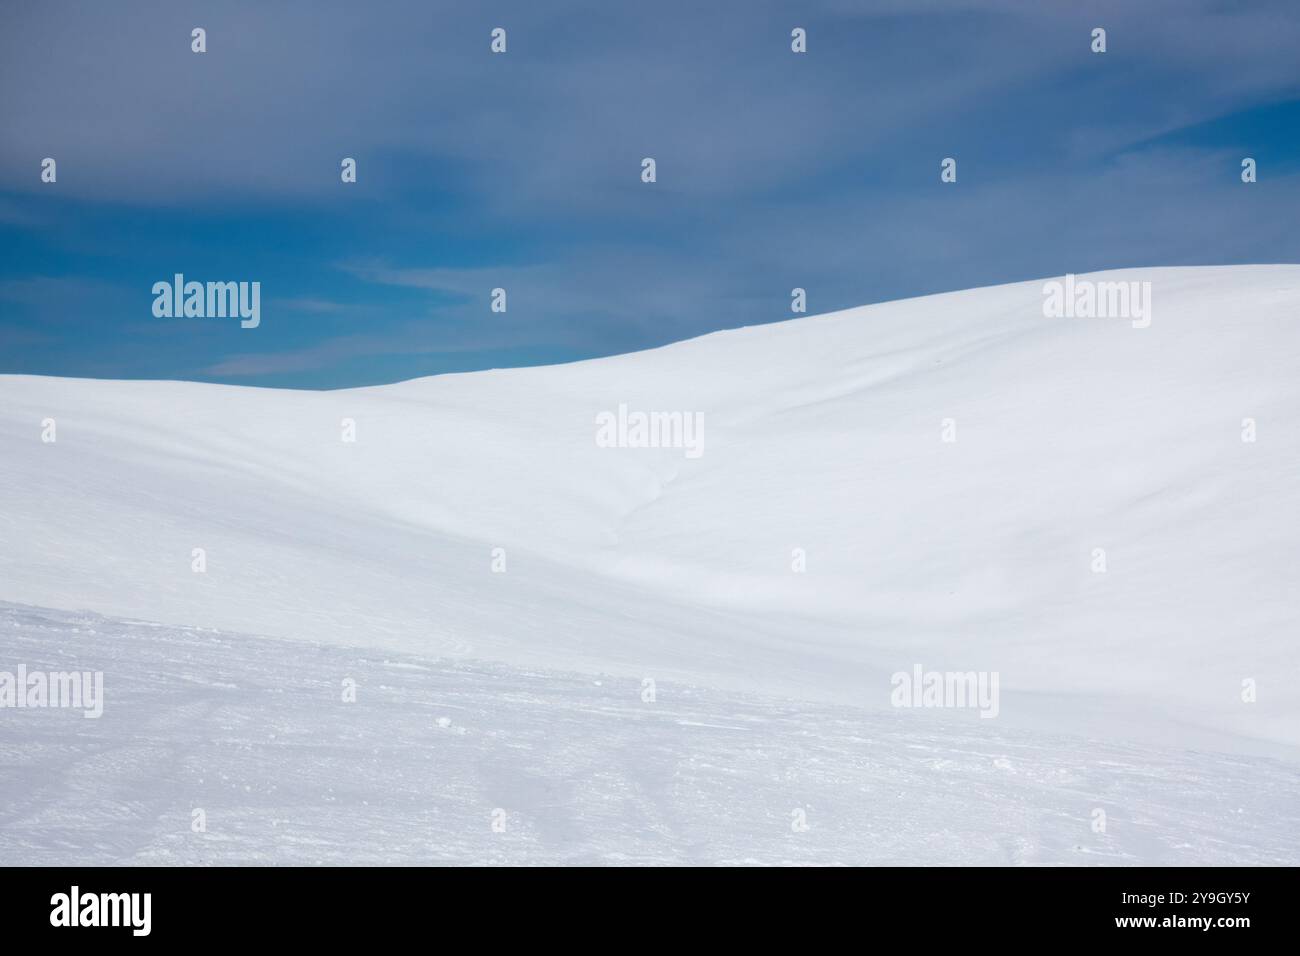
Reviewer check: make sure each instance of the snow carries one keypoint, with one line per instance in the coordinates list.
(285, 772)
(521, 689)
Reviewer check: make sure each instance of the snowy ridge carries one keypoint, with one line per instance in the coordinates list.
(821, 434)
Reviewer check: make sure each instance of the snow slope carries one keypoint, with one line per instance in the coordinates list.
(576, 769)
(822, 434)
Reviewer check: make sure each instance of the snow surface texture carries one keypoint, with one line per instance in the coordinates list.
(372, 561)
(252, 732)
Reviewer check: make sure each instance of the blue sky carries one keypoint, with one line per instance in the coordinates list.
(522, 170)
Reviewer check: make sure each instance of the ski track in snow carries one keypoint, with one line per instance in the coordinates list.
(255, 732)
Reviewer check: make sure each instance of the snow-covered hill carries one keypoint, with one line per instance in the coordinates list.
(825, 536)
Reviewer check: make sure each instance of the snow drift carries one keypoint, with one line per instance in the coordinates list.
(826, 536)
